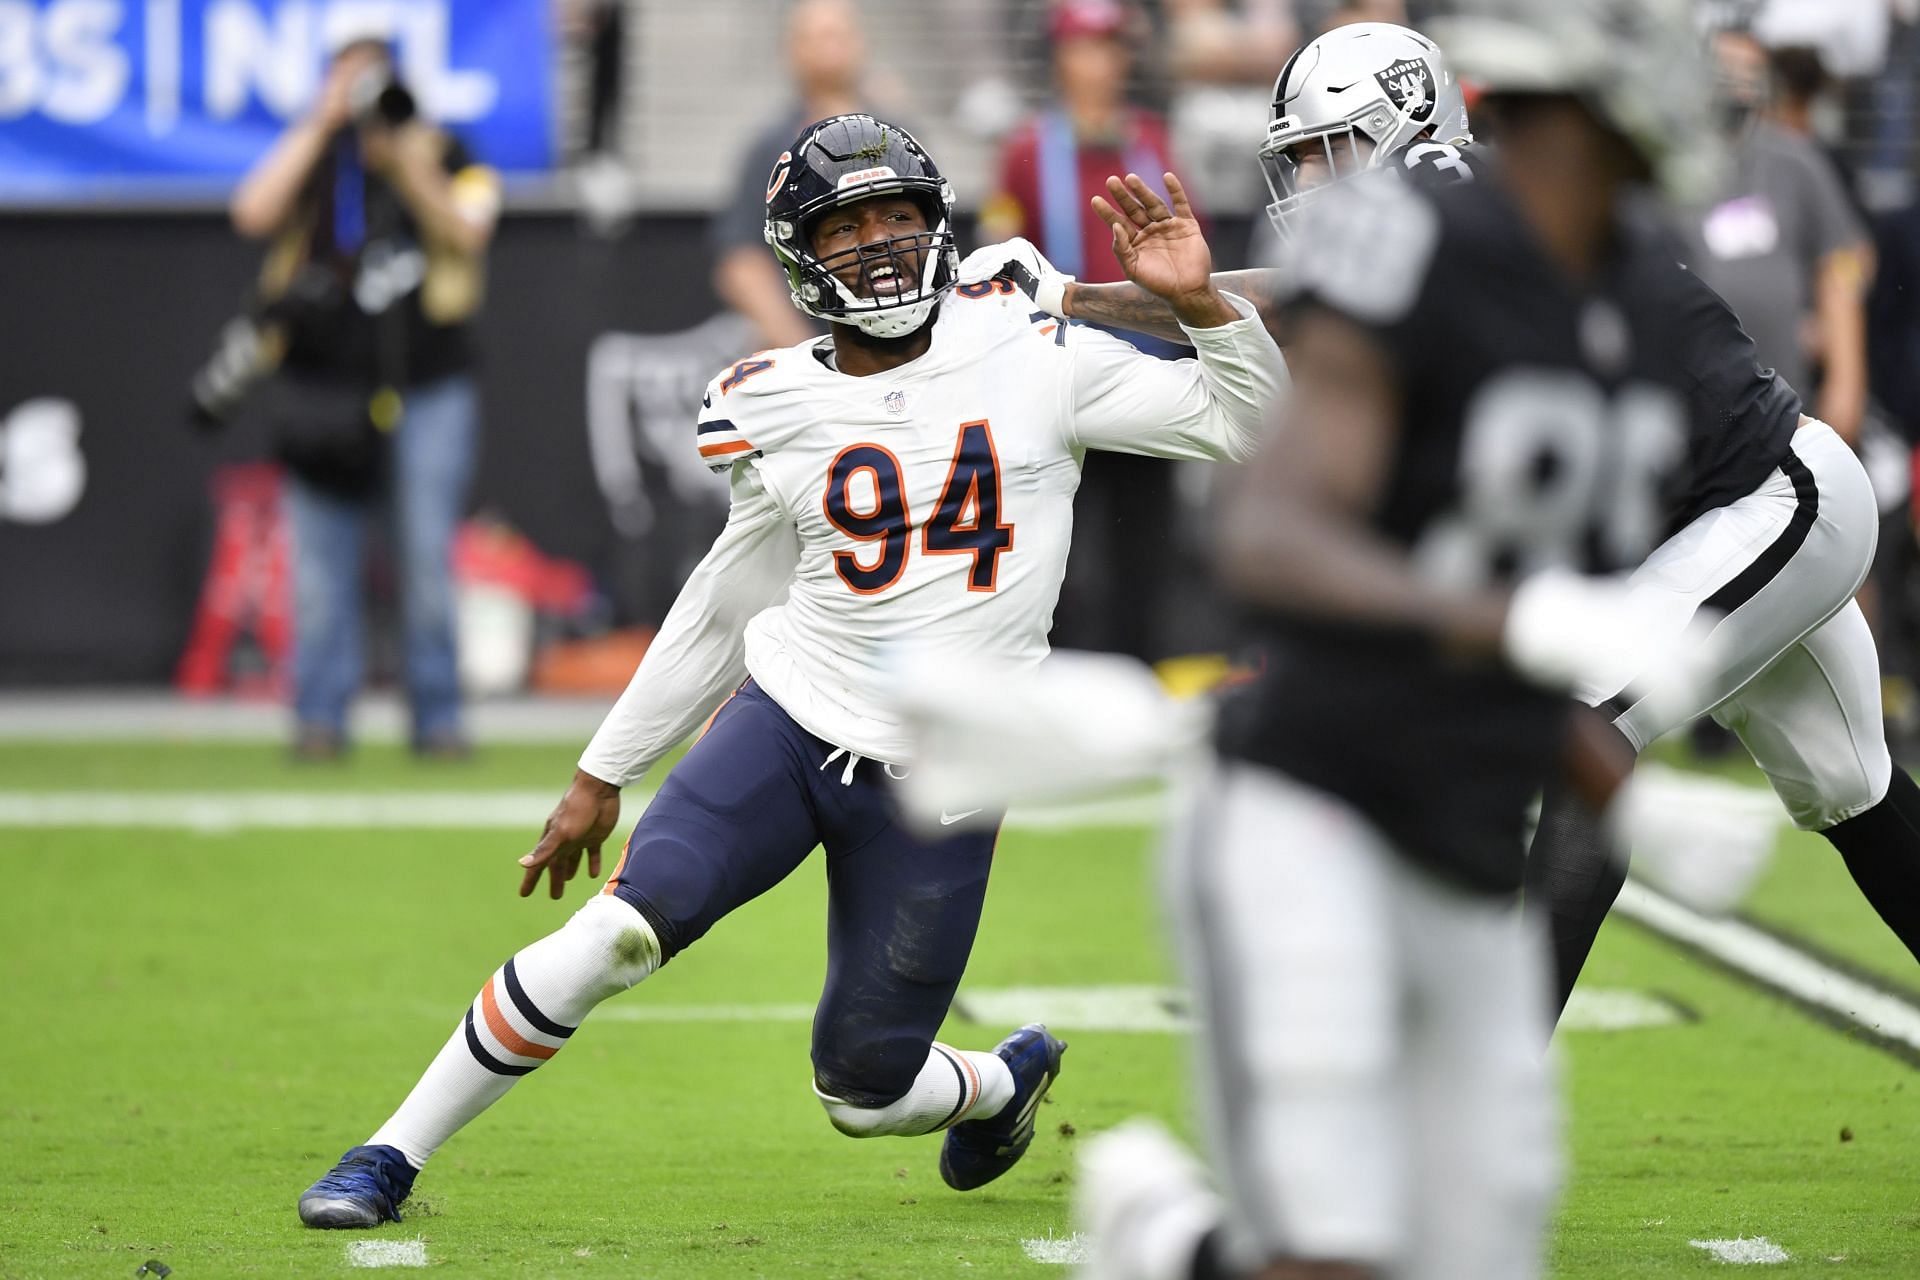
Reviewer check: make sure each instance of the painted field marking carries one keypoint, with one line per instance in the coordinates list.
(1112, 1008)
(223, 811)
(1117, 1008)
(1758, 1251)
(226, 811)
(1059, 1250)
(1617, 1009)
(641, 1011)
(1779, 967)
(1101, 1008)
(387, 1253)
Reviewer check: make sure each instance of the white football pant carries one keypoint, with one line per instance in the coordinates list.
(1370, 1059)
(1800, 679)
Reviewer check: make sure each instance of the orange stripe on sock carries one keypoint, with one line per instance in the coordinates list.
(503, 1030)
(971, 1075)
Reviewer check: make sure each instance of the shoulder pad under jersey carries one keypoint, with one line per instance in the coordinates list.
(724, 433)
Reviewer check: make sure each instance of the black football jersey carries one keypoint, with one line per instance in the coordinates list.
(1545, 423)
(1742, 414)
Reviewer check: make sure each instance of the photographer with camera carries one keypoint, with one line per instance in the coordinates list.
(379, 224)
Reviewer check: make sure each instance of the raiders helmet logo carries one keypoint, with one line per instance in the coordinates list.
(1409, 86)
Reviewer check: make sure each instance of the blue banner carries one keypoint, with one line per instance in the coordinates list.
(132, 98)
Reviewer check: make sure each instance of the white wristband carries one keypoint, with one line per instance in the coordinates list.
(1050, 294)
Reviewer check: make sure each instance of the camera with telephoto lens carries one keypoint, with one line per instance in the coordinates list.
(249, 345)
(377, 97)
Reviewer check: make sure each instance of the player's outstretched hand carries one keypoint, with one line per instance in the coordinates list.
(1161, 247)
(580, 823)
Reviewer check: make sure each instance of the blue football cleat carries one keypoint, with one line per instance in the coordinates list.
(978, 1151)
(365, 1189)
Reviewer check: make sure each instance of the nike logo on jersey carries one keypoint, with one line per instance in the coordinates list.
(948, 819)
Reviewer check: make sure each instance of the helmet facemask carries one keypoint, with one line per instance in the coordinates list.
(1340, 151)
(925, 264)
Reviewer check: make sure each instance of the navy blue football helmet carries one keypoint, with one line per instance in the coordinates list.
(837, 161)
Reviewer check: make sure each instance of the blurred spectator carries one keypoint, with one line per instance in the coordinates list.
(380, 223)
(827, 57)
(1028, 27)
(1118, 573)
(1851, 35)
(1352, 11)
(1800, 84)
(596, 29)
(1053, 165)
(1895, 321)
(1782, 244)
(1225, 55)
(599, 28)
(1893, 328)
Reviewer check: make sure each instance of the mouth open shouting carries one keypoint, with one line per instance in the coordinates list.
(883, 280)
(876, 248)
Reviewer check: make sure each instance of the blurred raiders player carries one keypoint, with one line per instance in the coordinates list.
(1774, 528)
(1489, 404)
(909, 477)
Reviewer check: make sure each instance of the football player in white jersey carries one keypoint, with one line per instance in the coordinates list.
(908, 478)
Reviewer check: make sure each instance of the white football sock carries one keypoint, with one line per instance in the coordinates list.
(521, 1017)
(953, 1086)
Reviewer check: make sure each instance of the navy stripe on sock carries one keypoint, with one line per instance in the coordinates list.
(486, 1059)
(538, 1020)
(959, 1075)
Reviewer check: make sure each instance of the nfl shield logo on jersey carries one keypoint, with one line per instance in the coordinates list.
(897, 403)
(1409, 86)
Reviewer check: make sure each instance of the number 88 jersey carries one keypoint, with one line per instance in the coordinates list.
(933, 504)
(1544, 423)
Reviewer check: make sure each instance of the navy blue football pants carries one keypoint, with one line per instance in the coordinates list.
(741, 811)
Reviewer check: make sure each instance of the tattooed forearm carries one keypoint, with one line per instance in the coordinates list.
(1127, 306)
(1261, 287)
(1123, 306)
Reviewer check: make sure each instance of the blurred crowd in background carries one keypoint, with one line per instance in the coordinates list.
(639, 213)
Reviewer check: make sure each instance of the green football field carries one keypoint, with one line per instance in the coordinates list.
(205, 1010)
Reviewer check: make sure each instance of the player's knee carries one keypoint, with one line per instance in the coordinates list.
(1837, 793)
(611, 931)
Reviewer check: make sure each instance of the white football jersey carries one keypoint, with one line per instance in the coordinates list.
(931, 505)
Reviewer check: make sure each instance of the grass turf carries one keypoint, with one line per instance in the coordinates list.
(200, 1023)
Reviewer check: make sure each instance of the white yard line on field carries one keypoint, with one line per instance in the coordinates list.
(1776, 965)
(408, 810)
(669, 1012)
(1062, 1250)
(276, 810)
(387, 1253)
(1749, 951)
(162, 716)
(1617, 1009)
(1758, 1251)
